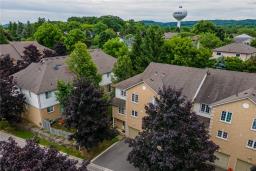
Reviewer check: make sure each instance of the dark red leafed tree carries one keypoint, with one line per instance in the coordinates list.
(31, 54)
(172, 138)
(12, 102)
(86, 111)
(32, 157)
(48, 53)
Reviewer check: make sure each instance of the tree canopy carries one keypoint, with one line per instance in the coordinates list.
(123, 68)
(48, 34)
(33, 157)
(74, 36)
(80, 62)
(172, 137)
(209, 40)
(115, 47)
(86, 111)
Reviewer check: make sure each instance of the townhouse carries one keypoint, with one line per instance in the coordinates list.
(240, 50)
(38, 82)
(203, 87)
(16, 48)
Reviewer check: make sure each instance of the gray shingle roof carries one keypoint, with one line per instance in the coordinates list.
(250, 94)
(236, 48)
(15, 49)
(220, 84)
(158, 75)
(43, 76)
(104, 62)
(242, 37)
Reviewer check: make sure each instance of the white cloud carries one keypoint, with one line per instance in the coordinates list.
(160, 10)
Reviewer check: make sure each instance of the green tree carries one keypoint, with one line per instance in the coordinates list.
(105, 36)
(74, 36)
(63, 92)
(147, 48)
(48, 34)
(253, 43)
(209, 40)
(71, 25)
(204, 26)
(181, 51)
(115, 47)
(3, 39)
(99, 27)
(123, 68)
(234, 64)
(80, 62)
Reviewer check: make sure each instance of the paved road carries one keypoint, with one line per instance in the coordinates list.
(115, 158)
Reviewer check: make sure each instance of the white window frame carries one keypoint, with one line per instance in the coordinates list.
(133, 113)
(222, 133)
(254, 120)
(134, 95)
(253, 144)
(123, 93)
(224, 121)
(123, 108)
(50, 107)
(206, 106)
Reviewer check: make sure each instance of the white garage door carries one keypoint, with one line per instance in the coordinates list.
(133, 132)
(222, 160)
(242, 166)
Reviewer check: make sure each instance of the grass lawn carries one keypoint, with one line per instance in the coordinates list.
(68, 150)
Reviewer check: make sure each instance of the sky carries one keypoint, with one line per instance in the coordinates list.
(157, 10)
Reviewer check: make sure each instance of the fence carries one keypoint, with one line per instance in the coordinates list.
(54, 131)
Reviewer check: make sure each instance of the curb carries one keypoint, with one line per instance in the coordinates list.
(104, 151)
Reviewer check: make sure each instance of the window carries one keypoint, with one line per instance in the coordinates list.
(108, 74)
(29, 93)
(48, 94)
(50, 109)
(222, 134)
(254, 124)
(123, 93)
(134, 113)
(226, 116)
(121, 110)
(238, 55)
(251, 144)
(135, 98)
(218, 53)
(205, 108)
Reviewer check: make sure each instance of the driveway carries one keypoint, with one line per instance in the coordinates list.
(115, 158)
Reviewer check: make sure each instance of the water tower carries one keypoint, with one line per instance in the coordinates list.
(179, 14)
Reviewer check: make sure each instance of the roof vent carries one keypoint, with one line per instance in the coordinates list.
(151, 79)
(56, 67)
(156, 73)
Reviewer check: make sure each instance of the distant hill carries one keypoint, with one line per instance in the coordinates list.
(247, 22)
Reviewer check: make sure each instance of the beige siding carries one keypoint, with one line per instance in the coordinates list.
(33, 115)
(52, 115)
(239, 131)
(146, 95)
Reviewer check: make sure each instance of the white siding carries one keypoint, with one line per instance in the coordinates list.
(31, 98)
(196, 109)
(106, 79)
(118, 94)
(44, 103)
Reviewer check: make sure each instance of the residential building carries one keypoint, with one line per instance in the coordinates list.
(240, 50)
(38, 82)
(202, 86)
(15, 49)
(169, 35)
(233, 128)
(243, 38)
